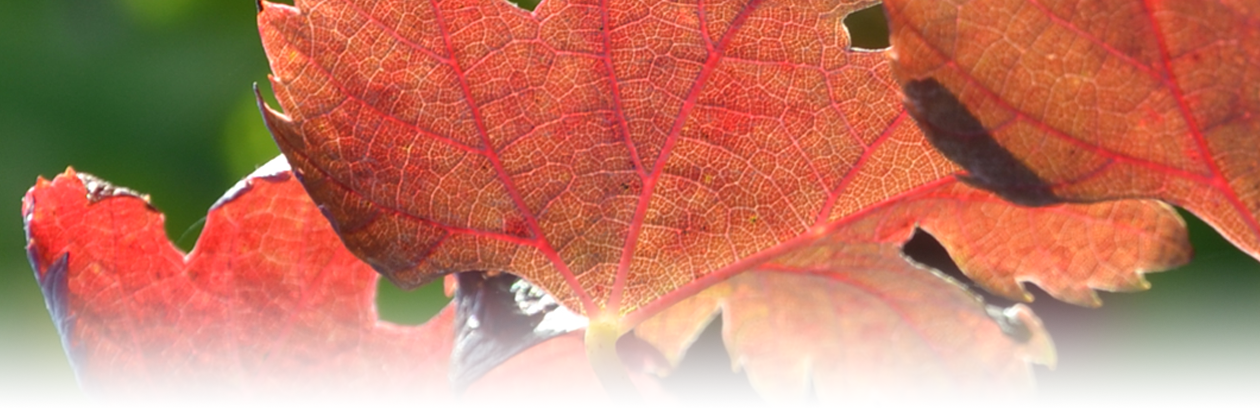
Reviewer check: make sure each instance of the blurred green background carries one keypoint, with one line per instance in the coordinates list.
(155, 95)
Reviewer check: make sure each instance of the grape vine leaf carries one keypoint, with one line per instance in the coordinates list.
(268, 305)
(1051, 101)
(619, 154)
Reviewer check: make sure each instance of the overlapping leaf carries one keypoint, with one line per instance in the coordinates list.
(1048, 100)
(269, 304)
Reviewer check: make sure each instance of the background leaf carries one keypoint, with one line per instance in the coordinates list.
(268, 304)
(1059, 101)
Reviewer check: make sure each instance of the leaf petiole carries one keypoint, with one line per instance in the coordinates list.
(601, 350)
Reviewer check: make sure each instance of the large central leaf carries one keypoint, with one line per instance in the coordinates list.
(611, 151)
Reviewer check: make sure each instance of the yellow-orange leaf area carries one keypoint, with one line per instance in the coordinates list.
(623, 155)
(1050, 100)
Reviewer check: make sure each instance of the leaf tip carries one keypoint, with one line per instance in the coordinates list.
(267, 112)
(1019, 292)
(1142, 284)
(1024, 296)
(262, 103)
(28, 200)
(1089, 299)
(279, 125)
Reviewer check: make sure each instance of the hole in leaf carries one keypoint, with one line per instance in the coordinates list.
(868, 28)
(409, 308)
(525, 4)
(924, 249)
(704, 374)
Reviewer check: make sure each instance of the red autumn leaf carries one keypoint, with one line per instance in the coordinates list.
(849, 317)
(269, 303)
(611, 152)
(1050, 101)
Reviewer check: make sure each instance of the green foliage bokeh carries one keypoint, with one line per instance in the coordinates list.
(156, 95)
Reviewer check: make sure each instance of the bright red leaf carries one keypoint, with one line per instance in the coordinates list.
(1050, 100)
(269, 303)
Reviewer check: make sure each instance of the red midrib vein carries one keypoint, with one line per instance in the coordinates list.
(649, 182)
(539, 238)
